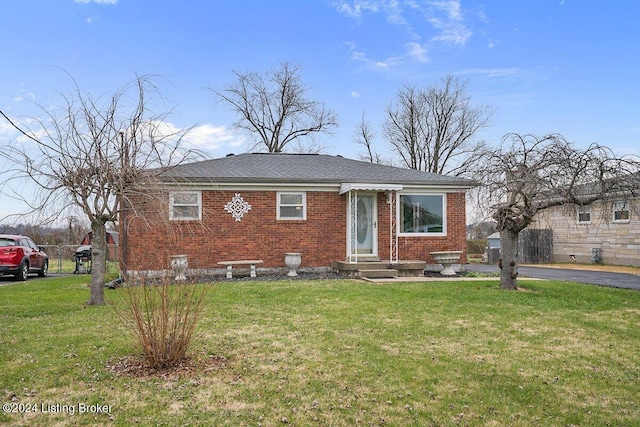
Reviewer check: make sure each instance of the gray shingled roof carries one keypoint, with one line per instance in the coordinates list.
(303, 168)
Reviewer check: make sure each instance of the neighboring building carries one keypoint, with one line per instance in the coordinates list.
(112, 238)
(112, 243)
(492, 250)
(262, 206)
(604, 231)
(482, 230)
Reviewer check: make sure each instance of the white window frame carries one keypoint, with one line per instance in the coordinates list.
(422, 234)
(621, 206)
(172, 204)
(279, 204)
(583, 210)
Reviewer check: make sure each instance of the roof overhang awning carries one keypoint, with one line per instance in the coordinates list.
(351, 186)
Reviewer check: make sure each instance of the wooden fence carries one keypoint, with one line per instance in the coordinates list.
(535, 246)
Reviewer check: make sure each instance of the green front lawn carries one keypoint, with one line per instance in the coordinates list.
(336, 353)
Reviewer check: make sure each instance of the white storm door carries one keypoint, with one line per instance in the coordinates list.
(364, 225)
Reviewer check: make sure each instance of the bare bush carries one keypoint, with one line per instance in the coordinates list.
(162, 316)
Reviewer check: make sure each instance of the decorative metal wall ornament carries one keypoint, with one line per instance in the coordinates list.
(237, 207)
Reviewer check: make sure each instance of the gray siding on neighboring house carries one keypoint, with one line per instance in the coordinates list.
(619, 240)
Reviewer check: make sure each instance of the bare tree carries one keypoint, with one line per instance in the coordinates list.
(364, 136)
(528, 174)
(275, 109)
(92, 153)
(433, 129)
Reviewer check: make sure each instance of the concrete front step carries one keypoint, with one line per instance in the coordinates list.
(402, 268)
(387, 273)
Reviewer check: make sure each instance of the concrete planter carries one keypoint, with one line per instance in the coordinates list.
(447, 259)
(293, 260)
(179, 264)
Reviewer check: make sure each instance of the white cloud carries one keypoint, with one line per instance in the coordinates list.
(210, 137)
(456, 34)
(97, 1)
(355, 94)
(417, 52)
(362, 57)
(24, 96)
(355, 9)
(6, 130)
(446, 19)
(495, 72)
(451, 8)
(9, 134)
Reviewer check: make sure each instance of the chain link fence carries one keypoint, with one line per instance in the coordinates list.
(62, 259)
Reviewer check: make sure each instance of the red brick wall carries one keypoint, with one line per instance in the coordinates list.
(151, 238)
(259, 235)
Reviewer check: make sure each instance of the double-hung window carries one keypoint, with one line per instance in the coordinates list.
(422, 214)
(185, 206)
(584, 214)
(620, 211)
(292, 205)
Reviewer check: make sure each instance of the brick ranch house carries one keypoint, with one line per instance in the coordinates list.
(262, 206)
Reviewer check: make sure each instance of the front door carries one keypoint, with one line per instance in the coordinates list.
(363, 218)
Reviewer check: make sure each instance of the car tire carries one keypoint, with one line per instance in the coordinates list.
(23, 272)
(45, 270)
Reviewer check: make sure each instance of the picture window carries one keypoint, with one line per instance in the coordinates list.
(422, 214)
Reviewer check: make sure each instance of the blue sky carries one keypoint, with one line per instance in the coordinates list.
(545, 66)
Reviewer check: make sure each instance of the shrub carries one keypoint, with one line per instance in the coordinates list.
(476, 246)
(163, 318)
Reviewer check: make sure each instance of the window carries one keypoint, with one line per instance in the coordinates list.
(7, 242)
(584, 214)
(422, 214)
(620, 211)
(292, 206)
(185, 205)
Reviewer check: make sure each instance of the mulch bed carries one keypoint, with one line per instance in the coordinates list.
(137, 367)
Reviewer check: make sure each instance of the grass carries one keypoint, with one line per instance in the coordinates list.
(593, 267)
(336, 353)
(66, 266)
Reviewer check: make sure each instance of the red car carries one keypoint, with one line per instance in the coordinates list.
(20, 257)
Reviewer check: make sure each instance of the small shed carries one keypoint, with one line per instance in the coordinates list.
(493, 241)
(492, 251)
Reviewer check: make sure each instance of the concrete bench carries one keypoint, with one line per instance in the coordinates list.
(251, 262)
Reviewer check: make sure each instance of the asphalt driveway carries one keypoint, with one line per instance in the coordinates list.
(601, 278)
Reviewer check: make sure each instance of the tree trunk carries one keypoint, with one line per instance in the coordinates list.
(98, 262)
(509, 261)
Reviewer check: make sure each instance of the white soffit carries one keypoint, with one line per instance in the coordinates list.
(346, 187)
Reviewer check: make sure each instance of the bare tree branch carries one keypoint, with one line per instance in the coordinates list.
(528, 174)
(95, 153)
